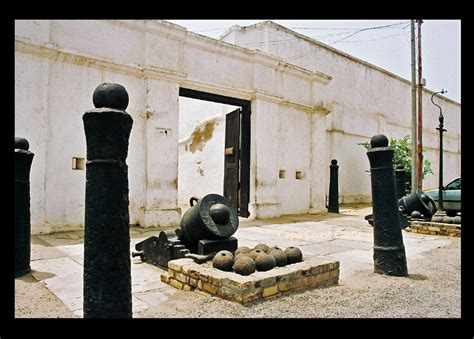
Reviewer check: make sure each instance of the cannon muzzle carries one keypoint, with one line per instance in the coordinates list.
(417, 201)
(213, 217)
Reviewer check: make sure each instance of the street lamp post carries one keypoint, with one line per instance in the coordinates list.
(440, 213)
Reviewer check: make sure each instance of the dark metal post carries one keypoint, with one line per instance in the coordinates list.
(440, 213)
(23, 160)
(389, 251)
(107, 267)
(400, 181)
(333, 205)
(419, 162)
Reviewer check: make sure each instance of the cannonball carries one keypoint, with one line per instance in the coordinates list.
(416, 215)
(261, 247)
(447, 220)
(242, 249)
(457, 220)
(254, 253)
(244, 265)
(273, 248)
(280, 256)
(242, 255)
(220, 214)
(293, 254)
(264, 262)
(223, 260)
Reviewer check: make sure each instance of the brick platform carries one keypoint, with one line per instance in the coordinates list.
(434, 228)
(187, 275)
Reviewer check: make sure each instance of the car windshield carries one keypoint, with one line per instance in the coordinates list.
(454, 185)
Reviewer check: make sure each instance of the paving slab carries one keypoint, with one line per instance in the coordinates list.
(324, 249)
(57, 270)
(157, 296)
(63, 277)
(40, 250)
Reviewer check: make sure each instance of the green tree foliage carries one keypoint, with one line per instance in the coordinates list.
(402, 156)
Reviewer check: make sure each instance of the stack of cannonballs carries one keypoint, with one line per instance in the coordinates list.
(247, 260)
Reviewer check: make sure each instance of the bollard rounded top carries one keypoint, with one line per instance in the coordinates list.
(379, 140)
(110, 95)
(333, 162)
(22, 143)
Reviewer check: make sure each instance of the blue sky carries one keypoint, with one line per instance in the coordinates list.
(384, 43)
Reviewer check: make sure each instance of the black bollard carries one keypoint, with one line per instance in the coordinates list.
(389, 251)
(23, 160)
(400, 181)
(333, 205)
(107, 267)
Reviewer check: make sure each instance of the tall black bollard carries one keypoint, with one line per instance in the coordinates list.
(400, 181)
(333, 205)
(107, 268)
(389, 251)
(23, 160)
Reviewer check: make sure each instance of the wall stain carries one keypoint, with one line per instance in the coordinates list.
(200, 136)
(200, 171)
(174, 183)
(322, 109)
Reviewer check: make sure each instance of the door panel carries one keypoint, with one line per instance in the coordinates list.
(245, 162)
(232, 157)
(237, 149)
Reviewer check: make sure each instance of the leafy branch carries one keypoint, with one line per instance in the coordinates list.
(402, 156)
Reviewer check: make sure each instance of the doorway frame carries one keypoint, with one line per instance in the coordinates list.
(245, 105)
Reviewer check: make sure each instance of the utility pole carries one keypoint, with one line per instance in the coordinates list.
(414, 167)
(420, 113)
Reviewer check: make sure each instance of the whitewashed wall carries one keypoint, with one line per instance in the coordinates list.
(303, 115)
(59, 63)
(361, 100)
(201, 149)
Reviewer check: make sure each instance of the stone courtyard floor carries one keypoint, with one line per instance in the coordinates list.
(432, 290)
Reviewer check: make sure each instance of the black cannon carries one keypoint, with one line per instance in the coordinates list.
(417, 201)
(205, 229)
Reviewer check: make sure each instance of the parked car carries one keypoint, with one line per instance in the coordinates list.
(451, 196)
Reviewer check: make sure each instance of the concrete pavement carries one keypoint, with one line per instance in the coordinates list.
(57, 259)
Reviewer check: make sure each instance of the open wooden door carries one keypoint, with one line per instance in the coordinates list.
(237, 147)
(231, 157)
(237, 159)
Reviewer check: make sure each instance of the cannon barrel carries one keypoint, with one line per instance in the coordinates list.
(205, 229)
(213, 217)
(417, 201)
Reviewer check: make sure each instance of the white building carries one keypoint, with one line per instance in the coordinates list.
(296, 116)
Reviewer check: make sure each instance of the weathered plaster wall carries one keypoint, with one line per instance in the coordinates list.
(60, 62)
(362, 100)
(201, 149)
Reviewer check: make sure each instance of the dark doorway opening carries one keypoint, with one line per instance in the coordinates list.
(237, 147)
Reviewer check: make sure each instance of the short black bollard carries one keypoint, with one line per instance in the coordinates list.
(333, 205)
(389, 251)
(107, 267)
(23, 160)
(400, 181)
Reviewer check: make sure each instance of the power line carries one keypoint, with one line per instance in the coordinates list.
(358, 30)
(367, 29)
(349, 32)
(382, 38)
(297, 56)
